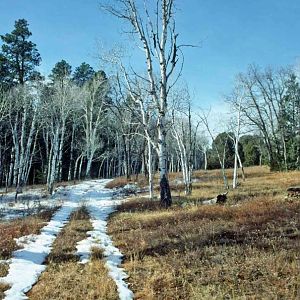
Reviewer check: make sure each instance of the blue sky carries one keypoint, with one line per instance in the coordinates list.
(232, 35)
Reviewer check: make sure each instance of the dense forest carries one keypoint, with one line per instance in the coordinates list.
(83, 123)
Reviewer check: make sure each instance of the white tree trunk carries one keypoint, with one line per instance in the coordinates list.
(150, 169)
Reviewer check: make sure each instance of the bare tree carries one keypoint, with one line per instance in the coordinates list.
(235, 131)
(157, 35)
(204, 119)
(23, 110)
(265, 93)
(93, 106)
(185, 135)
(58, 103)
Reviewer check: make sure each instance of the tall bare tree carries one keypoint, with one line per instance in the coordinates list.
(58, 103)
(236, 99)
(23, 110)
(185, 134)
(93, 106)
(266, 93)
(157, 35)
(204, 119)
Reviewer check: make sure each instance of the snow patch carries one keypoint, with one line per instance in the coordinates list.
(210, 201)
(99, 211)
(27, 264)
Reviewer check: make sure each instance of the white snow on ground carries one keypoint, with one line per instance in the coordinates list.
(27, 263)
(31, 201)
(99, 211)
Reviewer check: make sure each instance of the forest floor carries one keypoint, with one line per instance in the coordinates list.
(248, 248)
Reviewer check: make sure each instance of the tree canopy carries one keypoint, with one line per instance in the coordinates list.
(19, 56)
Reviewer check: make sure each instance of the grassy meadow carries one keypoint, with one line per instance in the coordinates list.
(248, 248)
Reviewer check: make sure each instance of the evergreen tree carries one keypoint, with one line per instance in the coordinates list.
(19, 55)
(225, 146)
(289, 121)
(83, 74)
(61, 71)
(4, 72)
(251, 149)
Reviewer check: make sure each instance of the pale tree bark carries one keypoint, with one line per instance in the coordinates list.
(3, 134)
(236, 126)
(156, 33)
(72, 150)
(56, 111)
(93, 108)
(185, 135)
(23, 110)
(204, 120)
(75, 174)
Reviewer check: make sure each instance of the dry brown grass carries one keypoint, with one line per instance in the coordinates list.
(119, 182)
(3, 272)
(259, 182)
(3, 269)
(11, 230)
(71, 280)
(64, 277)
(64, 246)
(247, 249)
(3, 288)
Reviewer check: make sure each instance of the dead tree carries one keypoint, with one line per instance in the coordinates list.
(185, 135)
(158, 38)
(204, 119)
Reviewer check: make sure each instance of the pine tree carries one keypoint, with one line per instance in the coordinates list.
(61, 71)
(83, 74)
(19, 55)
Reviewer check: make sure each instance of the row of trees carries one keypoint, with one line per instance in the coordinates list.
(83, 123)
(268, 101)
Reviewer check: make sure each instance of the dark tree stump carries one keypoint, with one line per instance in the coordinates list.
(165, 193)
(222, 198)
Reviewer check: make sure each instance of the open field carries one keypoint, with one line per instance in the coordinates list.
(246, 249)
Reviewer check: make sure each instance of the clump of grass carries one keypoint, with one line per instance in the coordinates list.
(11, 230)
(64, 277)
(97, 253)
(72, 281)
(118, 182)
(3, 287)
(244, 251)
(3, 269)
(3, 272)
(64, 245)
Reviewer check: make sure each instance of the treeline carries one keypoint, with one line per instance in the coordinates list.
(82, 123)
(266, 104)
